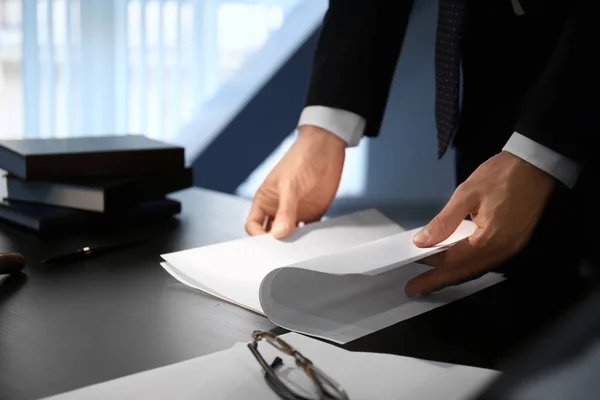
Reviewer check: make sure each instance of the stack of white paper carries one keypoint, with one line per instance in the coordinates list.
(338, 279)
(235, 374)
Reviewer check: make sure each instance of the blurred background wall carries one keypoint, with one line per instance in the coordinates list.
(225, 79)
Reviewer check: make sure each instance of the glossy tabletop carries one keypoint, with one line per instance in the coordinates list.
(67, 326)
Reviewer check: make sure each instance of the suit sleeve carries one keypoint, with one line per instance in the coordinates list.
(561, 112)
(356, 56)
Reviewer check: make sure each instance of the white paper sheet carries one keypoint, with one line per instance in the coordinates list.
(342, 308)
(340, 279)
(385, 376)
(219, 376)
(380, 255)
(235, 269)
(234, 374)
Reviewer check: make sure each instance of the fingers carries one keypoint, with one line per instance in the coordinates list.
(255, 221)
(278, 217)
(286, 217)
(463, 261)
(445, 223)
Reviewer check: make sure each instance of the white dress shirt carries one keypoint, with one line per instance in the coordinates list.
(350, 127)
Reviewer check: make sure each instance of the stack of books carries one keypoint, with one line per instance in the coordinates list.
(82, 182)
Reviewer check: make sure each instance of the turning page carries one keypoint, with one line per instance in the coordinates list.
(234, 270)
(339, 279)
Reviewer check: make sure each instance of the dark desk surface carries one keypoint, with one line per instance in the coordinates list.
(67, 326)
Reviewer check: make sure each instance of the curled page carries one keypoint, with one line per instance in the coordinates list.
(339, 279)
(234, 270)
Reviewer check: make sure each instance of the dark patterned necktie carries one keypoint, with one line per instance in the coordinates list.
(451, 19)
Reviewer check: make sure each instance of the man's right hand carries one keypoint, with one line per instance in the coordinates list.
(302, 185)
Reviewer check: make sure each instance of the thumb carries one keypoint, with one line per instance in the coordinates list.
(286, 216)
(446, 222)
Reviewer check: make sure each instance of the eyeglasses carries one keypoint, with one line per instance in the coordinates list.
(324, 387)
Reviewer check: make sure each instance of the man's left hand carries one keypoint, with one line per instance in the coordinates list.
(505, 197)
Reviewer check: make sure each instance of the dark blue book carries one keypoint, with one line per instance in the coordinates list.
(100, 195)
(61, 159)
(46, 219)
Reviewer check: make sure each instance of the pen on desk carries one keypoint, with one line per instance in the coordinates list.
(89, 251)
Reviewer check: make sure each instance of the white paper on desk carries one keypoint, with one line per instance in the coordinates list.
(375, 376)
(348, 307)
(339, 279)
(234, 374)
(234, 270)
(217, 376)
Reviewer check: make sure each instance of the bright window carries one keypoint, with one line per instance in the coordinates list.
(71, 67)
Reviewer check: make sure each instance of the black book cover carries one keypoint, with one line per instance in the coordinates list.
(48, 219)
(61, 159)
(103, 195)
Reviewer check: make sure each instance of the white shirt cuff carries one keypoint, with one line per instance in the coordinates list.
(562, 168)
(344, 124)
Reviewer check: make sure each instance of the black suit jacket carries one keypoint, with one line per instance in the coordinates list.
(553, 96)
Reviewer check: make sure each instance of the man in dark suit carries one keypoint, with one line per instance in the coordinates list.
(523, 132)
